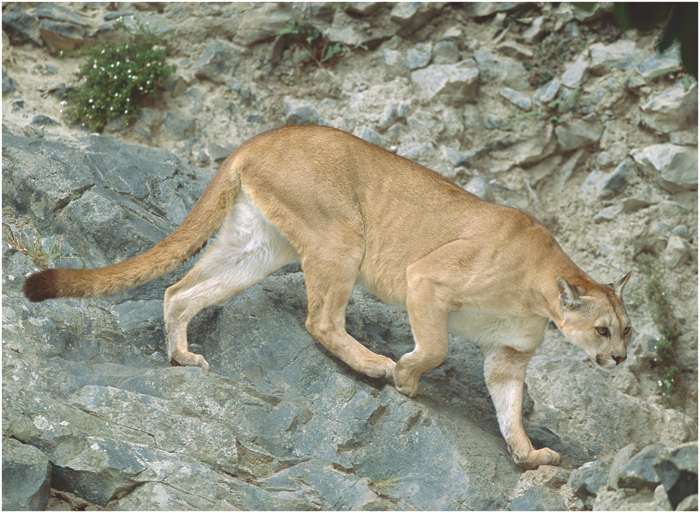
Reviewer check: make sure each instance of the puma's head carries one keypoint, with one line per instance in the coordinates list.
(596, 321)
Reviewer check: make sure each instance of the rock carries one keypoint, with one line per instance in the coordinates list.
(421, 152)
(678, 470)
(677, 252)
(369, 135)
(178, 126)
(627, 499)
(394, 65)
(516, 98)
(582, 391)
(607, 214)
(586, 480)
(260, 22)
(576, 71)
(175, 84)
(357, 32)
(480, 187)
(26, 477)
(672, 110)
(500, 69)
(515, 50)
(639, 472)
(388, 117)
(457, 158)
(570, 166)
(674, 167)
(299, 112)
(685, 138)
(546, 475)
(445, 52)
(412, 16)
(620, 54)
(534, 32)
(60, 13)
(643, 199)
(418, 57)
(41, 120)
(613, 183)
(690, 503)
(9, 84)
(21, 27)
(547, 92)
(483, 9)
(619, 463)
(660, 63)
(681, 231)
(220, 153)
(60, 36)
(217, 62)
(365, 8)
(539, 498)
(452, 83)
(578, 133)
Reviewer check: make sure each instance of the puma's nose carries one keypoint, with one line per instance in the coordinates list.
(619, 359)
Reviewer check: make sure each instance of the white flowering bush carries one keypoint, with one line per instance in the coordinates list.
(116, 79)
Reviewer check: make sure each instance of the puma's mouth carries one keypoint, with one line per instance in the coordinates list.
(605, 362)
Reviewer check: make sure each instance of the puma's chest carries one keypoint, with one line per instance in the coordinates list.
(520, 333)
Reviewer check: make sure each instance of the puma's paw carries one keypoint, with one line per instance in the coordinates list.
(405, 382)
(535, 458)
(189, 360)
(380, 367)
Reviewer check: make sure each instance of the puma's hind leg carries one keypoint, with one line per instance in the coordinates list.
(329, 284)
(248, 248)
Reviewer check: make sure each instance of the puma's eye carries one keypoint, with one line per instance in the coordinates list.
(626, 331)
(602, 330)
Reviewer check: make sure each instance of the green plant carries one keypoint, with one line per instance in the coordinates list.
(33, 250)
(316, 45)
(117, 78)
(671, 383)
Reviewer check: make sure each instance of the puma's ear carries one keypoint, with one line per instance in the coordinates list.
(619, 284)
(568, 295)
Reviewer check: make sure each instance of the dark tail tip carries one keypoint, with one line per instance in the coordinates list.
(41, 286)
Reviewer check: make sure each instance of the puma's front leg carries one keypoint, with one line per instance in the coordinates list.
(504, 369)
(428, 301)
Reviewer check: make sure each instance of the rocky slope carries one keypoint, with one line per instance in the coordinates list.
(93, 416)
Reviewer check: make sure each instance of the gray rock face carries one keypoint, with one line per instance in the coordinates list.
(620, 54)
(675, 167)
(639, 472)
(26, 475)
(501, 69)
(217, 62)
(577, 133)
(586, 480)
(299, 112)
(21, 27)
(9, 84)
(678, 470)
(672, 110)
(456, 82)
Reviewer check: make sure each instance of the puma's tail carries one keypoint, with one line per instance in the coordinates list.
(190, 237)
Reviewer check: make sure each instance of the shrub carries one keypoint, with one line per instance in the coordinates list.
(117, 78)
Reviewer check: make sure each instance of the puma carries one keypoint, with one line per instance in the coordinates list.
(351, 213)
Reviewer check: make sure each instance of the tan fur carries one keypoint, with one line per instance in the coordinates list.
(352, 212)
